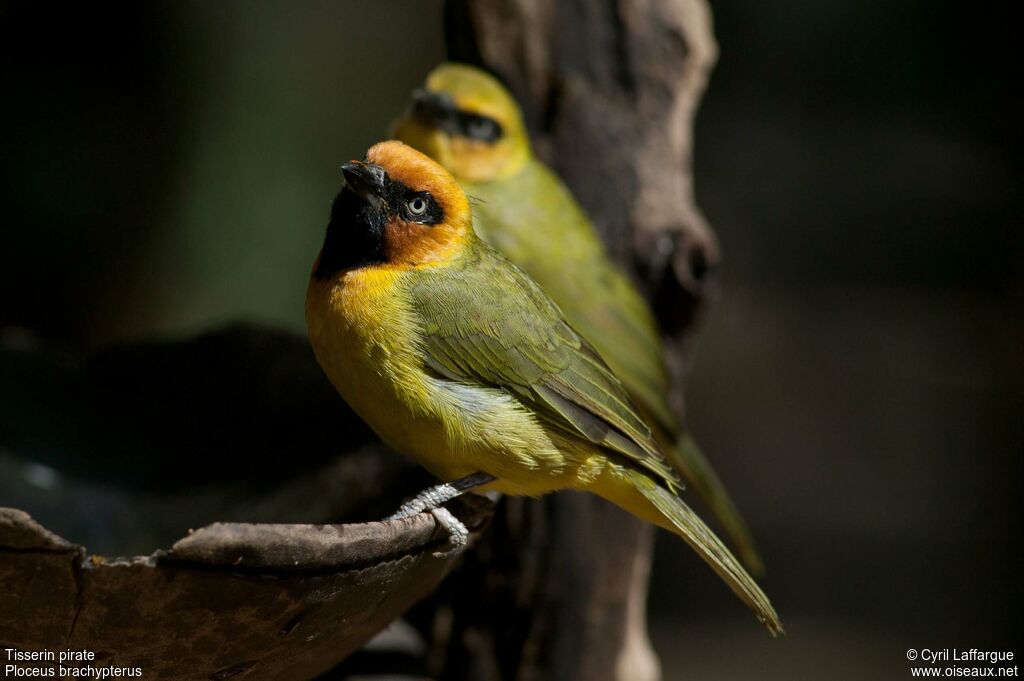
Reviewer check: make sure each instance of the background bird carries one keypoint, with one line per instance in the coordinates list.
(466, 120)
(457, 358)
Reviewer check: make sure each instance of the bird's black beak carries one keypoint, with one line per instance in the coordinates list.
(365, 179)
(436, 108)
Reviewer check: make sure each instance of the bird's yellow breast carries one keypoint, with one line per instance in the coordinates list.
(364, 335)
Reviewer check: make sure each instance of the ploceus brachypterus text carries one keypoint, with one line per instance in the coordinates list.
(457, 358)
(468, 122)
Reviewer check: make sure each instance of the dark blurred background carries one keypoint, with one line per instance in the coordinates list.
(169, 167)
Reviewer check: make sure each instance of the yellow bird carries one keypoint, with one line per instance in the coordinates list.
(457, 358)
(468, 122)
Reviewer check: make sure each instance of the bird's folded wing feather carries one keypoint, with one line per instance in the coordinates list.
(602, 303)
(484, 321)
(614, 317)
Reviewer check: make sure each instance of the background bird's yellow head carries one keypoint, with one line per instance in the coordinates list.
(398, 207)
(466, 120)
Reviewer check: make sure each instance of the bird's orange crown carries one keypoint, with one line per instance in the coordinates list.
(410, 241)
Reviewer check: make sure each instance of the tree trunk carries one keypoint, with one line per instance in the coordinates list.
(609, 89)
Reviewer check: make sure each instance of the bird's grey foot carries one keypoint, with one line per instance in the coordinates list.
(431, 500)
(458, 535)
(427, 500)
(433, 497)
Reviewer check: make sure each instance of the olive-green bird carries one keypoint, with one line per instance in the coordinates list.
(457, 358)
(467, 121)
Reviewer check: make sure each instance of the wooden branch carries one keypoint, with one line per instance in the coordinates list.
(269, 601)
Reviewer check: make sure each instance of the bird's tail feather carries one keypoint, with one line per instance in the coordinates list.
(683, 521)
(702, 478)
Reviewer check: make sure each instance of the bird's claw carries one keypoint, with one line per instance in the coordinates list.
(431, 500)
(458, 535)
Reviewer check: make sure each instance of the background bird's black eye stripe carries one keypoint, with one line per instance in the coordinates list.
(478, 127)
(439, 110)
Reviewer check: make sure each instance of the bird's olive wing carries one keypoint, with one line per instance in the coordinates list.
(611, 314)
(485, 322)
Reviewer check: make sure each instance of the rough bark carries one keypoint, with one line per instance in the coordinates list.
(609, 89)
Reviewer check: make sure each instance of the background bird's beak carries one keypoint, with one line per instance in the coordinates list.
(365, 179)
(432, 107)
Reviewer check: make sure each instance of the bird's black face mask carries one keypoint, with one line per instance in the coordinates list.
(369, 201)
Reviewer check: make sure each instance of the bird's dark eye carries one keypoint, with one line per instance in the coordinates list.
(417, 205)
(481, 128)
